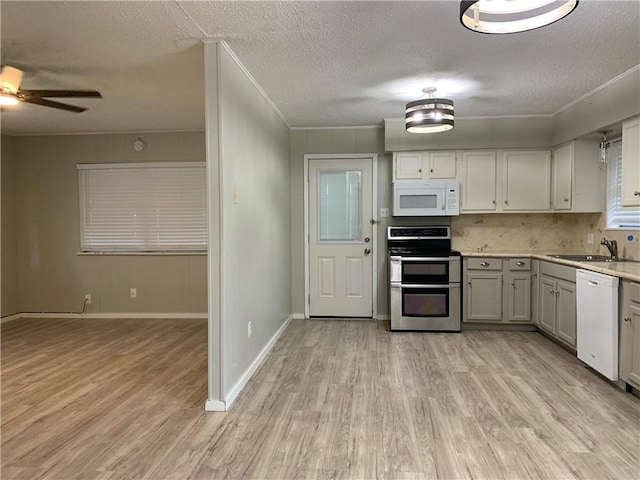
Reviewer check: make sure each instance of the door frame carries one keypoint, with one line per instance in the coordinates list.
(374, 230)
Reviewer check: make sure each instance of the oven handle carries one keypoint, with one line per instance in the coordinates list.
(402, 285)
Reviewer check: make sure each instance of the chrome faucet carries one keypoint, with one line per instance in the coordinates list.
(612, 245)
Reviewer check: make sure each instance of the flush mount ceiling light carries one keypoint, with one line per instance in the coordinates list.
(10, 79)
(429, 115)
(512, 16)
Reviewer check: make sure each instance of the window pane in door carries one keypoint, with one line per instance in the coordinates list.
(339, 206)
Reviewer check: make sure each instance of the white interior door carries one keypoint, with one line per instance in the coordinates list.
(340, 237)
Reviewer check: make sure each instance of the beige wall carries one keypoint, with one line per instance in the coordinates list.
(255, 222)
(346, 140)
(52, 277)
(470, 133)
(9, 248)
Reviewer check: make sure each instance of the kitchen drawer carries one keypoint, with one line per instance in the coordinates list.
(519, 264)
(484, 264)
(564, 272)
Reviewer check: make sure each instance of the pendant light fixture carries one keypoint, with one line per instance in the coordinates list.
(604, 146)
(429, 115)
(512, 16)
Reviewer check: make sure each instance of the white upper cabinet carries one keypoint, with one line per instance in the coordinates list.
(478, 170)
(437, 165)
(407, 166)
(577, 177)
(442, 165)
(562, 174)
(526, 182)
(631, 163)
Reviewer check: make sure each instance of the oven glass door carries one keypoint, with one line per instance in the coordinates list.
(422, 271)
(425, 302)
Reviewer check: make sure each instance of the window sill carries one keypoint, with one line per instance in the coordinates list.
(141, 254)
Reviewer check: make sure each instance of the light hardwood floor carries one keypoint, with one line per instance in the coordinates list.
(123, 399)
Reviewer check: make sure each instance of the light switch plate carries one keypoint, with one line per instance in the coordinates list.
(384, 212)
(590, 238)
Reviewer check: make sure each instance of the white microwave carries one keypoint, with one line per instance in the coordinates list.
(426, 199)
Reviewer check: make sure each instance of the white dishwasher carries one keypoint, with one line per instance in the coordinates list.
(597, 327)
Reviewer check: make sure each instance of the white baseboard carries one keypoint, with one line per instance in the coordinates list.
(10, 318)
(215, 406)
(174, 316)
(235, 391)
(298, 316)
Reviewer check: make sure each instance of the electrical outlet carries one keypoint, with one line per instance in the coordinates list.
(590, 238)
(87, 298)
(249, 329)
(384, 212)
(134, 293)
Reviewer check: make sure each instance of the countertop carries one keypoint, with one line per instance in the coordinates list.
(626, 270)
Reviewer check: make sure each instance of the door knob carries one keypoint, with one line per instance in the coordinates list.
(367, 251)
(366, 240)
(627, 319)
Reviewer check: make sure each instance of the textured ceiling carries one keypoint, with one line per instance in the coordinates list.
(323, 64)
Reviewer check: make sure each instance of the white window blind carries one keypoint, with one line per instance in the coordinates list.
(151, 207)
(617, 215)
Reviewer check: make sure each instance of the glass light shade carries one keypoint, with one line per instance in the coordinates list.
(10, 79)
(429, 115)
(8, 99)
(512, 16)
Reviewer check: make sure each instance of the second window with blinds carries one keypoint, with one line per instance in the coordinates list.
(143, 207)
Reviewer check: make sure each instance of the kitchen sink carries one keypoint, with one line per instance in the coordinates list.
(592, 258)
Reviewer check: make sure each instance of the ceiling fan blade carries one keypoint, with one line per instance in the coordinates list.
(61, 93)
(49, 103)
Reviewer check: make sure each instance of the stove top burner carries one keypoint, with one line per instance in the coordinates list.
(421, 252)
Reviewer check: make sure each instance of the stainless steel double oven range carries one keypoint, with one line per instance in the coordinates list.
(424, 279)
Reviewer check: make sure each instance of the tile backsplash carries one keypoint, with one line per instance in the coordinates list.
(539, 233)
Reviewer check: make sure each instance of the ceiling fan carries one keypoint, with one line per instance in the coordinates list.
(11, 93)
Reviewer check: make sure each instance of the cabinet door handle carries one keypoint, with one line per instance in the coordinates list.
(627, 319)
(566, 199)
(557, 293)
(469, 282)
(506, 202)
(513, 282)
(636, 194)
(551, 290)
(520, 264)
(431, 170)
(419, 170)
(534, 274)
(493, 201)
(484, 264)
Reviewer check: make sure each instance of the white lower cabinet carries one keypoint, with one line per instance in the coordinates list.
(497, 290)
(629, 364)
(557, 302)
